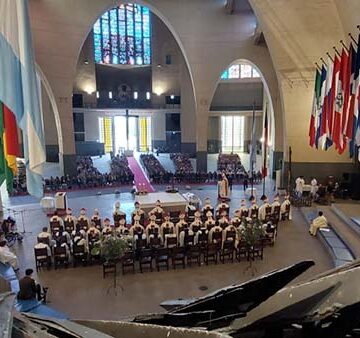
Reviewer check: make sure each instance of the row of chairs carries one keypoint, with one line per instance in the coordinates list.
(195, 254)
(62, 257)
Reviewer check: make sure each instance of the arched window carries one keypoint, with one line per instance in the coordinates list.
(240, 71)
(123, 36)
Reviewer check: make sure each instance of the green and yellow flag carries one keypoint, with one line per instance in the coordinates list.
(9, 146)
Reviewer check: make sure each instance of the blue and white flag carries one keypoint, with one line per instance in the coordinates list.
(19, 89)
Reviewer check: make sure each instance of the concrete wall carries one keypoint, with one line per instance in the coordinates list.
(239, 95)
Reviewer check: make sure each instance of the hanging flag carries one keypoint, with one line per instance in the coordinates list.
(320, 120)
(266, 141)
(326, 115)
(10, 145)
(356, 123)
(315, 109)
(21, 93)
(348, 126)
(341, 97)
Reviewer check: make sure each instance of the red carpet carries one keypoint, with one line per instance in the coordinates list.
(139, 176)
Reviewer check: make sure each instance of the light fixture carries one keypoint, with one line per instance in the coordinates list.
(89, 89)
(86, 61)
(262, 140)
(159, 65)
(97, 94)
(148, 95)
(172, 96)
(110, 94)
(136, 95)
(158, 91)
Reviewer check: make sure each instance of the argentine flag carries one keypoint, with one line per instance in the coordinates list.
(19, 88)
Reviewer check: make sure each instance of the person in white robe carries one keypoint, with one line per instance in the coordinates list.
(262, 209)
(7, 256)
(223, 187)
(299, 185)
(284, 205)
(319, 222)
(313, 187)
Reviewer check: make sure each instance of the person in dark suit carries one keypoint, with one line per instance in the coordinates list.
(28, 287)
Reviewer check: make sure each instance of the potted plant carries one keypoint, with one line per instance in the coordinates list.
(112, 248)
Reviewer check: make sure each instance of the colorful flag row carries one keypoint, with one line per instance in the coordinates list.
(335, 112)
(20, 94)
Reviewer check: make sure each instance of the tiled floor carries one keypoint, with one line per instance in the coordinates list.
(83, 293)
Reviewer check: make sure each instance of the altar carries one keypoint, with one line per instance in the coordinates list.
(169, 201)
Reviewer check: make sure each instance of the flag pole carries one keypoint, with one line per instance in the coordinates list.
(252, 151)
(264, 171)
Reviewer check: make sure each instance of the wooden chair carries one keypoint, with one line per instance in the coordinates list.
(244, 213)
(270, 236)
(79, 255)
(178, 256)
(257, 251)
(109, 268)
(285, 215)
(227, 251)
(254, 213)
(54, 226)
(162, 256)
(171, 242)
(241, 251)
(174, 216)
(128, 260)
(194, 254)
(189, 240)
(195, 228)
(154, 242)
(45, 240)
(203, 240)
(231, 235)
(268, 211)
(69, 226)
(190, 216)
(42, 258)
(159, 218)
(211, 253)
(275, 216)
(145, 258)
(60, 256)
(118, 218)
(217, 236)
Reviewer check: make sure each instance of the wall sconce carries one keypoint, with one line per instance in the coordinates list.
(110, 95)
(148, 95)
(136, 95)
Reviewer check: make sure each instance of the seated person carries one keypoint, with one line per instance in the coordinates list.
(158, 211)
(284, 206)
(7, 257)
(190, 207)
(181, 224)
(118, 214)
(96, 219)
(83, 220)
(107, 229)
(153, 229)
(317, 223)
(45, 236)
(275, 203)
(207, 206)
(138, 212)
(29, 289)
(197, 223)
(210, 222)
(223, 221)
(263, 208)
(43, 245)
(222, 207)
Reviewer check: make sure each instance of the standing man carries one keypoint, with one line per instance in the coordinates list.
(314, 187)
(299, 185)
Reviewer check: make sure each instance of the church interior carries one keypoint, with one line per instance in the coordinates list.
(180, 168)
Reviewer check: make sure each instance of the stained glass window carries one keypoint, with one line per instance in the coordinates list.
(240, 71)
(122, 36)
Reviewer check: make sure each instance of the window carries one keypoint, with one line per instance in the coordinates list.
(240, 71)
(232, 134)
(105, 133)
(122, 36)
(145, 133)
